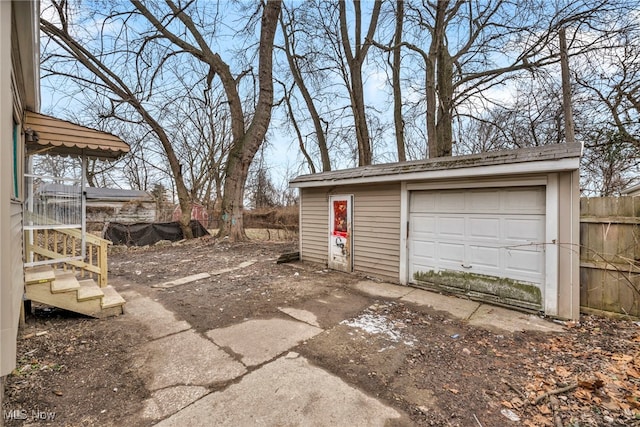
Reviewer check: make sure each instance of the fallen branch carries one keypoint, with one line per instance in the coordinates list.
(477, 420)
(555, 407)
(554, 392)
(517, 390)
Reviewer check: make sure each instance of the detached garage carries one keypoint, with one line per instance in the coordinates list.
(501, 227)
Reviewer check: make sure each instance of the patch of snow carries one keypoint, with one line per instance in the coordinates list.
(376, 324)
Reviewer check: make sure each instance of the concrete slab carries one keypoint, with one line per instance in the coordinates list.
(258, 341)
(161, 322)
(301, 315)
(332, 308)
(457, 307)
(382, 289)
(170, 400)
(185, 359)
(240, 266)
(182, 281)
(286, 392)
(488, 316)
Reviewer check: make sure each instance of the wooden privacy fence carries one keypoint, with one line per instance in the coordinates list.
(610, 255)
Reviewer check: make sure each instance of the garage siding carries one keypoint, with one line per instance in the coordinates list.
(314, 223)
(376, 227)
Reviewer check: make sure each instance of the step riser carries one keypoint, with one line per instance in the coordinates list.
(41, 293)
(89, 290)
(62, 289)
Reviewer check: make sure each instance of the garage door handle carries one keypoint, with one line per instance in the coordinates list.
(465, 266)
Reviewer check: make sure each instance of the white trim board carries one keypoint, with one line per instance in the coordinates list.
(474, 172)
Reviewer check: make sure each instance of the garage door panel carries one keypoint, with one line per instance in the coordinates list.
(483, 201)
(524, 261)
(423, 224)
(427, 203)
(450, 227)
(424, 249)
(484, 228)
(531, 201)
(524, 229)
(451, 252)
(484, 256)
(450, 201)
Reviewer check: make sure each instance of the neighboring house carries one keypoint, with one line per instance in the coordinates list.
(34, 240)
(631, 191)
(198, 213)
(501, 227)
(104, 205)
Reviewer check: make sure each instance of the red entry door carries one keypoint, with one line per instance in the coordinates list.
(340, 233)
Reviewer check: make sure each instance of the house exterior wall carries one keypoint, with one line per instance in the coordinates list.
(19, 89)
(8, 318)
(375, 227)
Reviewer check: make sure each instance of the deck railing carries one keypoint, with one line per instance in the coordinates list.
(63, 246)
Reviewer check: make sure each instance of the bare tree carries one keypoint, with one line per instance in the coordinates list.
(610, 80)
(133, 68)
(291, 115)
(398, 119)
(290, 30)
(355, 57)
(475, 46)
(104, 76)
(247, 136)
(610, 163)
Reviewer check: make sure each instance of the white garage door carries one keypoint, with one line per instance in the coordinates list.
(494, 232)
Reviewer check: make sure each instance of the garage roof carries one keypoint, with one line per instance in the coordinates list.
(53, 135)
(548, 158)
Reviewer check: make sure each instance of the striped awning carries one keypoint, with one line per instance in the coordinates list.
(55, 136)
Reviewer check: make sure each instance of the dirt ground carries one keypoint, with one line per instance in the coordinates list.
(435, 369)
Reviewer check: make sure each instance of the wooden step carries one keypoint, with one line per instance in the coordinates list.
(89, 289)
(65, 281)
(39, 274)
(111, 298)
(62, 289)
(68, 300)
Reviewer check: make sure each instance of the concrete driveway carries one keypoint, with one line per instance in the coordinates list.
(258, 379)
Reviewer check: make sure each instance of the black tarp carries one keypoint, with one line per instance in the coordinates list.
(142, 234)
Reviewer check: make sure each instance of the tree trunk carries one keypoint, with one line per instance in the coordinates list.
(245, 148)
(355, 60)
(397, 89)
(430, 84)
(360, 117)
(444, 133)
(232, 206)
(569, 133)
(439, 87)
